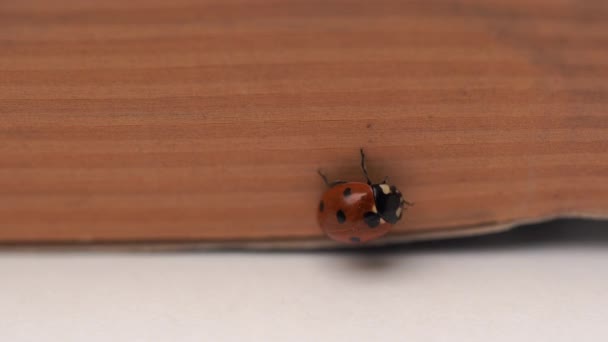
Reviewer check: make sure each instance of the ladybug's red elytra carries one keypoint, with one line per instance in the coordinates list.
(356, 212)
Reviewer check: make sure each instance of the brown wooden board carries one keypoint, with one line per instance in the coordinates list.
(205, 121)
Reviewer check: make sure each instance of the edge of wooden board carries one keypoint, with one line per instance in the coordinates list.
(285, 244)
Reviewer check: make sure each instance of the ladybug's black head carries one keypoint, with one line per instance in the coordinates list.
(389, 202)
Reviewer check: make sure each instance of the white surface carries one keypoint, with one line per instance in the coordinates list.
(445, 292)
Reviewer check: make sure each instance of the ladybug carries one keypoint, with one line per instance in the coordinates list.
(356, 212)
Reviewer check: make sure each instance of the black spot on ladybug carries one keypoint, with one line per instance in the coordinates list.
(372, 219)
(340, 216)
(347, 192)
(321, 206)
(355, 239)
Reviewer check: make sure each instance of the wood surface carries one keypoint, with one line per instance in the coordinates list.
(205, 121)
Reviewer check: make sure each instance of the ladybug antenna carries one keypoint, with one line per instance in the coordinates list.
(364, 168)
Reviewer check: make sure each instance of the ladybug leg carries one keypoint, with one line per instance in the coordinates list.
(364, 168)
(323, 176)
(327, 182)
(385, 180)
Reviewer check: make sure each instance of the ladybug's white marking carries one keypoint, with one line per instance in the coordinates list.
(374, 209)
(385, 189)
(398, 212)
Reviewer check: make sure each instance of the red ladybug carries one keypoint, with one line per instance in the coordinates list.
(355, 212)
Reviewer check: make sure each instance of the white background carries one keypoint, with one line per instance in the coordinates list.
(540, 283)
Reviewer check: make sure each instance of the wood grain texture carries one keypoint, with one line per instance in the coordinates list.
(206, 120)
